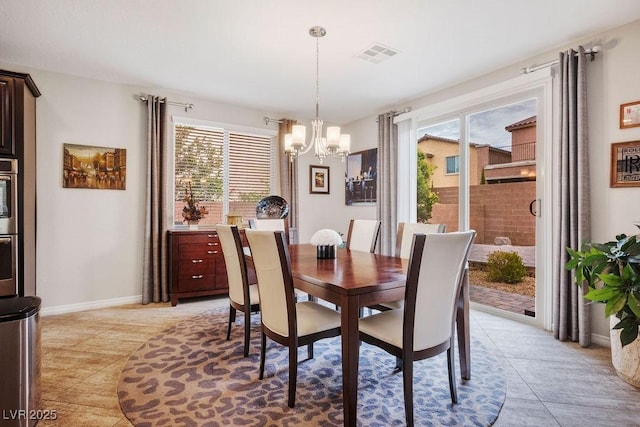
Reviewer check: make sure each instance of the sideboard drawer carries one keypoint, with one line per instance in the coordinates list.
(196, 264)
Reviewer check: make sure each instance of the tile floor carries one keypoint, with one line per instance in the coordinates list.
(549, 383)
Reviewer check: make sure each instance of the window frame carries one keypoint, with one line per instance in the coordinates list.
(456, 164)
(226, 128)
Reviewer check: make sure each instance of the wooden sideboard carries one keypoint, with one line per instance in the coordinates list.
(196, 264)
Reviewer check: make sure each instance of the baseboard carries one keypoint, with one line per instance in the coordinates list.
(602, 340)
(92, 305)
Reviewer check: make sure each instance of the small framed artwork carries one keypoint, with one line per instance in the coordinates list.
(630, 115)
(86, 166)
(318, 179)
(625, 164)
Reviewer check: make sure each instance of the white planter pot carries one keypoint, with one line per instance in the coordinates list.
(626, 361)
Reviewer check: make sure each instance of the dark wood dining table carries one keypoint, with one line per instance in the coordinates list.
(356, 279)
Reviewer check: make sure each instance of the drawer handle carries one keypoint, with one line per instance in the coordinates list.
(199, 276)
(196, 261)
(211, 236)
(212, 244)
(212, 252)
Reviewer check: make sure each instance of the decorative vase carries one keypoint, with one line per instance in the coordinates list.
(325, 252)
(626, 361)
(193, 224)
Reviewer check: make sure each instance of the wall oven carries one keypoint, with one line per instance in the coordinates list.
(8, 227)
(8, 264)
(8, 196)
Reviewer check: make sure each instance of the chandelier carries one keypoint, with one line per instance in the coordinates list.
(334, 144)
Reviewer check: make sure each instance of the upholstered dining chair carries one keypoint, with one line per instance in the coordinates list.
(425, 326)
(243, 296)
(363, 235)
(271, 224)
(406, 230)
(284, 320)
(404, 239)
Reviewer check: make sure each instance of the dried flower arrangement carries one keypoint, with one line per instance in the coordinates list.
(192, 212)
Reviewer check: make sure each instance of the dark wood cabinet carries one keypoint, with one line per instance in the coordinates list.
(7, 142)
(196, 264)
(18, 95)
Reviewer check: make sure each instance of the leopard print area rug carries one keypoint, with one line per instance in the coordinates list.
(190, 375)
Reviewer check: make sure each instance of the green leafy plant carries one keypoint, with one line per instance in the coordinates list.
(612, 272)
(426, 196)
(506, 267)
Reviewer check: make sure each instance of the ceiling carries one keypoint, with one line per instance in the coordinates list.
(259, 53)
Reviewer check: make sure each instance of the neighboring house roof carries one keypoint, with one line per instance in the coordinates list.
(427, 137)
(525, 123)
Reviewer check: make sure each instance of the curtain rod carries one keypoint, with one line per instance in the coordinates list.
(592, 52)
(186, 106)
(397, 113)
(268, 120)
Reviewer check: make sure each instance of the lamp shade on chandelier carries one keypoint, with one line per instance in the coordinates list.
(334, 144)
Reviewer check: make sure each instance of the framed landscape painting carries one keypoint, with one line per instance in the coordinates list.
(86, 166)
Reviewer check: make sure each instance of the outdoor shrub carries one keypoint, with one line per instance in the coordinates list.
(506, 267)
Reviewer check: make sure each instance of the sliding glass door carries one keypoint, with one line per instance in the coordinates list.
(480, 167)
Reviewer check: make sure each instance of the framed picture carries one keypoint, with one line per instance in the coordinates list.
(625, 164)
(361, 177)
(630, 115)
(318, 179)
(86, 166)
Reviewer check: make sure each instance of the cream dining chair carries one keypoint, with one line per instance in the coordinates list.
(406, 230)
(404, 239)
(363, 235)
(283, 320)
(240, 290)
(425, 326)
(271, 224)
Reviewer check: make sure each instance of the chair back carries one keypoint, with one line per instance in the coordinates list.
(271, 262)
(363, 235)
(406, 230)
(271, 224)
(434, 278)
(234, 260)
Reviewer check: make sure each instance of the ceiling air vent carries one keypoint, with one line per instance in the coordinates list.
(377, 53)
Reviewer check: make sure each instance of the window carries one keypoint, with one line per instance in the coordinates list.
(453, 164)
(227, 170)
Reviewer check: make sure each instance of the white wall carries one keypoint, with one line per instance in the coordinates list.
(90, 242)
(319, 211)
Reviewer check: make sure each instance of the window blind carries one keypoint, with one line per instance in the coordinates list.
(203, 155)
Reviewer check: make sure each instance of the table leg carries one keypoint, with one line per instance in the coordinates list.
(462, 323)
(350, 354)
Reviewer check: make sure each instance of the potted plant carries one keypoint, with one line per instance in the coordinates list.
(612, 272)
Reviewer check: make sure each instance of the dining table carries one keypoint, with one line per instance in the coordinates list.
(357, 279)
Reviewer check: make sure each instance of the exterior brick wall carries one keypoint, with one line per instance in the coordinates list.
(496, 210)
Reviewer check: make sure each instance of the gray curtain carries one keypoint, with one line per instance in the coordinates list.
(155, 284)
(387, 182)
(572, 217)
(288, 178)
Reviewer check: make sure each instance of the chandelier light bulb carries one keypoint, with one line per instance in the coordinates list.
(333, 137)
(299, 134)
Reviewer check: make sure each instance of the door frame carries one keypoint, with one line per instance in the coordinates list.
(537, 85)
